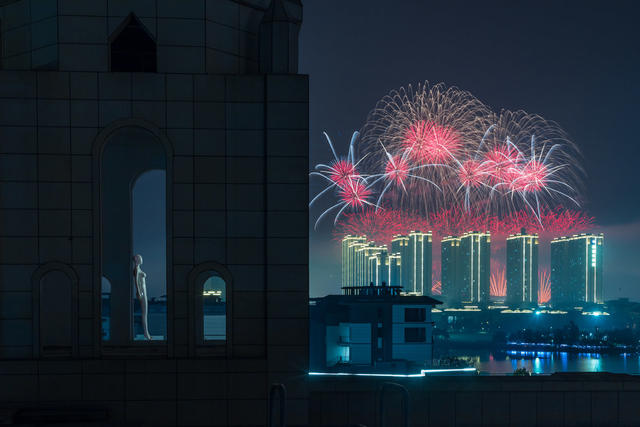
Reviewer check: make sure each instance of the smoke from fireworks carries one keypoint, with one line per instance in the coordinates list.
(382, 224)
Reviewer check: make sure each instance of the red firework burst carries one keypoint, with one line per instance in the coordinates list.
(436, 288)
(498, 283)
(342, 172)
(498, 164)
(397, 169)
(471, 173)
(531, 178)
(544, 287)
(354, 194)
(382, 224)
(429, 142)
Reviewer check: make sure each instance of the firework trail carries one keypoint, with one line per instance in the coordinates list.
(498, 283)
(341, 176)
(433, 149)
(431, 128)
(530, 164)
(436, 288)
(544, 287)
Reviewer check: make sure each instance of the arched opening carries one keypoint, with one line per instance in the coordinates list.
(133, 208)
(210, 316)
(214, 306)
(55, 293)
(148, 225)
(133, 49)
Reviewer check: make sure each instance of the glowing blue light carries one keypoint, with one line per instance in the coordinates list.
(538, 313)
(423, 372)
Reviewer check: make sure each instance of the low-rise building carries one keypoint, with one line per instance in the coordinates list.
(370, 329)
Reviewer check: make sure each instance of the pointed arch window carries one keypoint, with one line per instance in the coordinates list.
(133, 48)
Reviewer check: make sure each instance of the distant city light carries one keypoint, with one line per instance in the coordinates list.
(423, 373)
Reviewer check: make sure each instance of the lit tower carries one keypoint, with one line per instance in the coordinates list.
(419, 260)
(449, 270)
(522, 269)
(394, 262)
(349, 246)
(400, 246)
(366, 267)
(474, 254)
(576, 270)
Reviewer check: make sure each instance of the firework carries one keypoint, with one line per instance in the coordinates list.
(544, 287)
(498, 283)
(436, 288)
(432, 127)
(341, 176)
(441, 154)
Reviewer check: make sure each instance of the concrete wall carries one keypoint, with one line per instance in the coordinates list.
(239, 162)
(193, 36)
(557, 400)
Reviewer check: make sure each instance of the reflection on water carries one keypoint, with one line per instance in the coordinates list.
(545, 362)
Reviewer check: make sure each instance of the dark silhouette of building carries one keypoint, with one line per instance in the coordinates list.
(371, 329)
(176, 127)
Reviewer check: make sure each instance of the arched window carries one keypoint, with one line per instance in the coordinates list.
(210, 295)
(214, 306)
(55, 292)
(148, 238)
(133, 221)
(133, 49)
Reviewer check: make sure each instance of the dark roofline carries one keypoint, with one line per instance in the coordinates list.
(403, 299)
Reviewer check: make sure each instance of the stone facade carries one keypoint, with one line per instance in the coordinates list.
(231, 113)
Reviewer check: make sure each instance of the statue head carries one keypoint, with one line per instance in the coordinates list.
(137, 260)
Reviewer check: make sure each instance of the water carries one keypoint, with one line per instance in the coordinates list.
(541, 362)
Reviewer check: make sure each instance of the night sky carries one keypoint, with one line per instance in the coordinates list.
(575, 63)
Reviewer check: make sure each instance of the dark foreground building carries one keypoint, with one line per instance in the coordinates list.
(371, 329)
(177, 130)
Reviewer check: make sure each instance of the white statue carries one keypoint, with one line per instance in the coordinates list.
(139, 277)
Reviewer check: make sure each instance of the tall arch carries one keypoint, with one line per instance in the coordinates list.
(101, 200)
(55, 311)
(198, 346)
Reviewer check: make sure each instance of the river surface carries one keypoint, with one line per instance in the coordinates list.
(541, 362)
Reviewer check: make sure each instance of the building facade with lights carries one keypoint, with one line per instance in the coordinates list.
(349, 246)
(522, 269)
(419, 263)
(451, 292)
(474, 267)
(577, 270)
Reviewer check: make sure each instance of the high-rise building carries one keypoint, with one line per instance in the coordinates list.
(366, 268)
(449, 269)
(349, 246)
(522, 269)
(400, 246)
(419, 263)
(474, 255)
(394, 262)
(576, 270)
